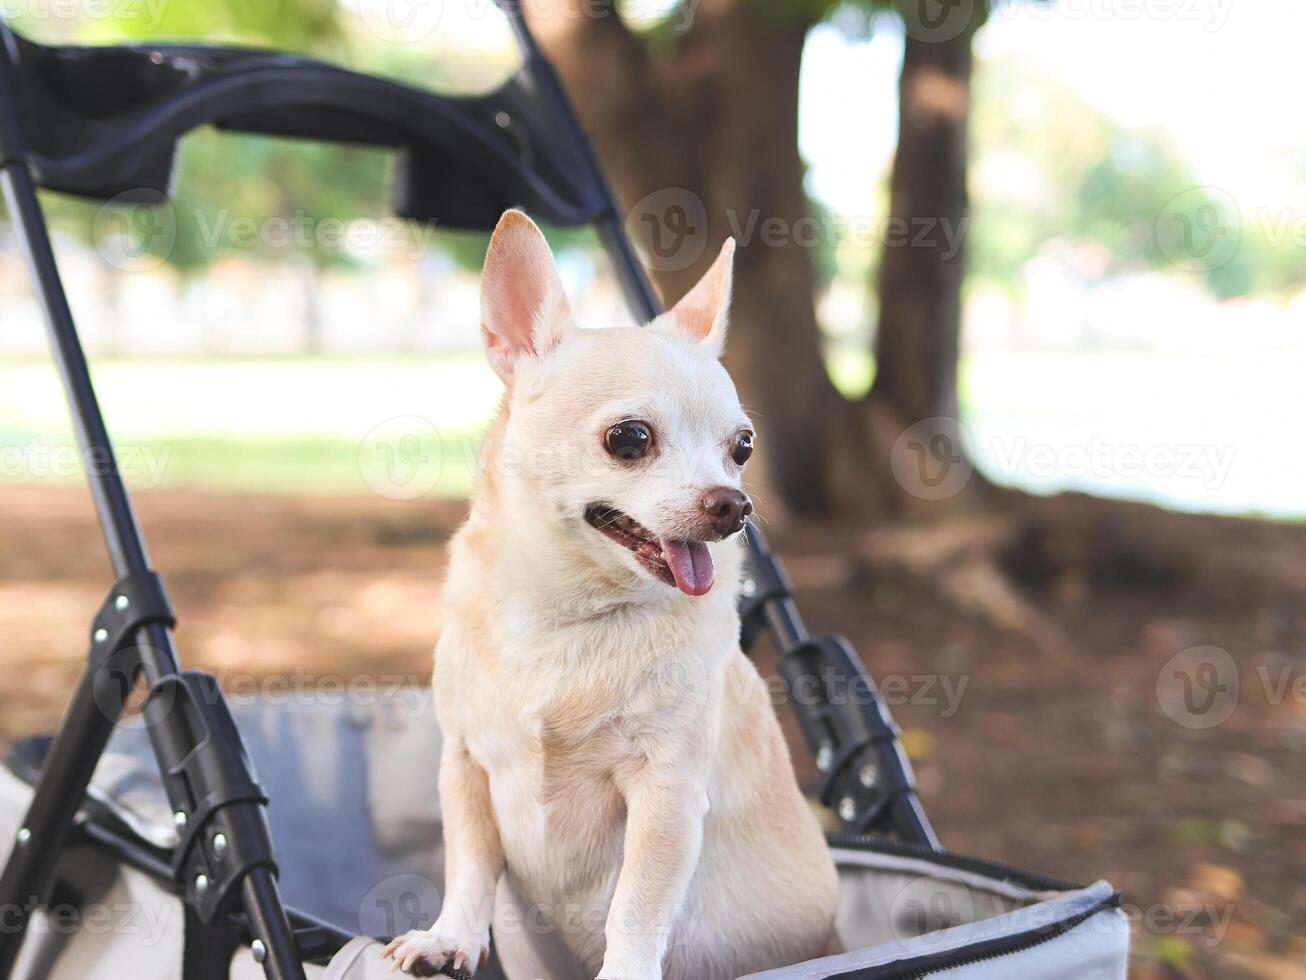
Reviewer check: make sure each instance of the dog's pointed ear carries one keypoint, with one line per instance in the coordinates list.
(524, 312)
(703, 313)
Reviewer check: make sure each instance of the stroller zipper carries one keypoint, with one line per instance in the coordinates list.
(992, 950)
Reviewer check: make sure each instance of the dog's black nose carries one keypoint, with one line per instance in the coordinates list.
(726, 509)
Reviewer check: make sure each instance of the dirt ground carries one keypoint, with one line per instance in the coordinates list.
(1087, 690)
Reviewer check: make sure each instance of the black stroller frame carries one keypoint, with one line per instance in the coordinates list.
(104, 123)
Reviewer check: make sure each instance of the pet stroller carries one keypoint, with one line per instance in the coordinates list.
(148, 849)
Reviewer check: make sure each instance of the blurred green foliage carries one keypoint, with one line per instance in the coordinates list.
(1050, 167)
(301, 26)
(224, 176)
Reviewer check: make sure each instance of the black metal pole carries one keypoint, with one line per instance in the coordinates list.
(29, 872)
(121, 533)
(635, 284)
(273, 940)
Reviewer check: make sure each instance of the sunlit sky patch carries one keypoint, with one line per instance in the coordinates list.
(1219, 78)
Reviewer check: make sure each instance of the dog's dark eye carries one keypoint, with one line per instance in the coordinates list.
(628, 440)
(742, 448)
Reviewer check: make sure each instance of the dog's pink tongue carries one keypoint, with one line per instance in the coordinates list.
(691, 565)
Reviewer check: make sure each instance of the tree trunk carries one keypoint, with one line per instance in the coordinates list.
(753, 177)
(918, 340)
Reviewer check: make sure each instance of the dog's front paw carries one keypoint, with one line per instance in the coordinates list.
(424, 953)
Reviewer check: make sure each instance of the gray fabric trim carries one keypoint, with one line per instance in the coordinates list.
(351, 963)
(949, 940)
(847, 857)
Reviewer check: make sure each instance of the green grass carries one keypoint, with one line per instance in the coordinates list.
(310, 465)
(385, 424)
(315, 465)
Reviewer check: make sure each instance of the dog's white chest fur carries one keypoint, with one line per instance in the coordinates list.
(590, 702)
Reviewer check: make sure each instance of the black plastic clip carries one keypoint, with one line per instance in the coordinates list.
(135, 601)
(856, 744)
(218, 804)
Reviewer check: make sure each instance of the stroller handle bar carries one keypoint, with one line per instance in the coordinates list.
(105, 121)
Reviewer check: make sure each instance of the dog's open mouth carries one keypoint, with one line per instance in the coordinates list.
(685, 564)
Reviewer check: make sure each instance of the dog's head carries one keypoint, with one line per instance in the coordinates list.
(629, 443)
